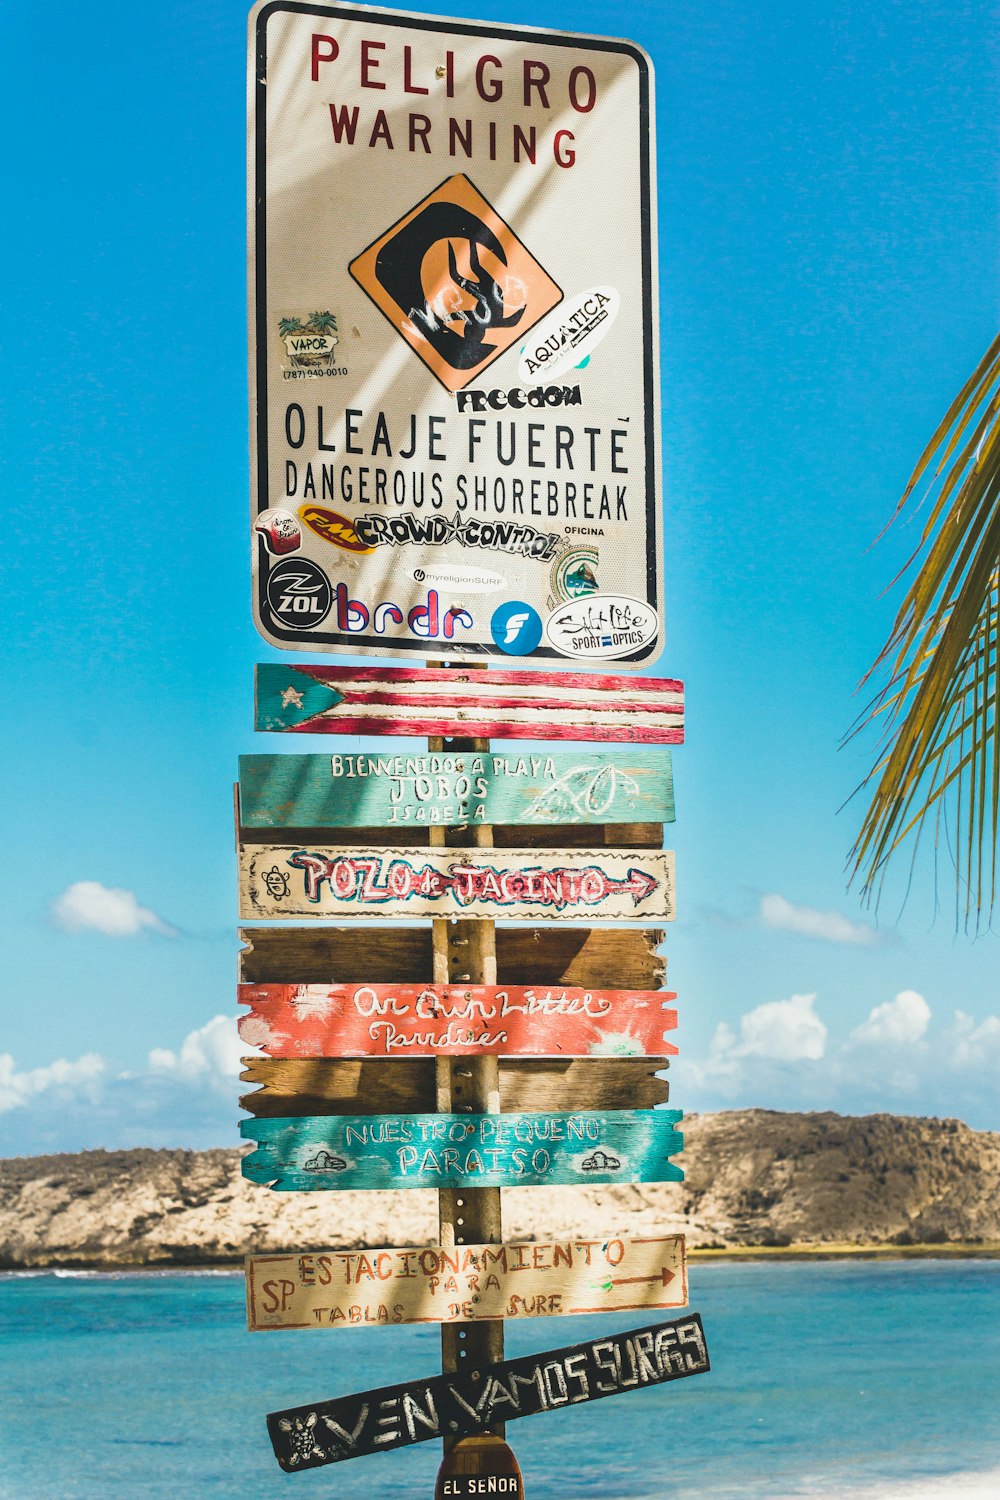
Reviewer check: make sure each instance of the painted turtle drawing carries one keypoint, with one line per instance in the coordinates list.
(277, 883)
(301, 1438)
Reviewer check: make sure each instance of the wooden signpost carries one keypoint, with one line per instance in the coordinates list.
(395, 516)
(388, 791)
(414, 1020)
(289, 880)
(468, 1283)
(313, 699)
(314, 1152)
(468, 1401)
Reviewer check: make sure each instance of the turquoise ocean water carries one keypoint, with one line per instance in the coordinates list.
(830, 1379)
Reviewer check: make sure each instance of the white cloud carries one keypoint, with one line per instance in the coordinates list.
(781, 1055)
(63, 1078)
(899, 1021)
(972, 1048)
(89, 905)
(830, 926)
(213, 1049)
(783, 1029)
(186, 1097)
(772, 1035)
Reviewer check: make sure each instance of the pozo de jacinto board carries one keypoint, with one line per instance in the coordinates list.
(455, 413)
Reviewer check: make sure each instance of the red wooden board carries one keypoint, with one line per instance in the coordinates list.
(415, 1020)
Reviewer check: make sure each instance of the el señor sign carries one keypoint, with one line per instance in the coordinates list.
(455, 407)
(467, 1283)
(423, 1150)
(605, 885)
(386, 790)
(503, 705)
(328, 1432)
(432, 1020)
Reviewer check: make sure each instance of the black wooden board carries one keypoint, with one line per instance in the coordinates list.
(469, 1401)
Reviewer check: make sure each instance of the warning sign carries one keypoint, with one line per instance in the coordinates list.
(454, 366)
(455, 281)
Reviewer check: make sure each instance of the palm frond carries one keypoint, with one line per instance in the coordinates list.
(938, 758)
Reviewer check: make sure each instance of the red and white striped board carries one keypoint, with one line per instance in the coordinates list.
(454, 1020)
(314, 699)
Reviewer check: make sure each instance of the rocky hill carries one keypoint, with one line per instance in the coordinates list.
(754, 1178)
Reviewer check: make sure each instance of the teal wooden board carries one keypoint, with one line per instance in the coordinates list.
(417, 790)
(460, 1151)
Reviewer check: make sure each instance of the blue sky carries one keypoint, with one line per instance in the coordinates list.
(828, 264)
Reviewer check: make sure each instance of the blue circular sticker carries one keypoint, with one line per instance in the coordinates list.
(516, 628)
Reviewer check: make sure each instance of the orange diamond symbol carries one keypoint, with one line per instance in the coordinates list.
(455, 282)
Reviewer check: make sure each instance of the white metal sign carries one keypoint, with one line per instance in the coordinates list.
(453, 325)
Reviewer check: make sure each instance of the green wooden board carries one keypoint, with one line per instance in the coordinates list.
(461, 1151)
(387, 790)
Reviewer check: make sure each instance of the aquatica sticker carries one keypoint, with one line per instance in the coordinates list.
(570, 336)
(453, 336)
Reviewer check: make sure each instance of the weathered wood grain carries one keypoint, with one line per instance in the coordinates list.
(468, 1151)
(463, 1283)
(414, 1020)
(593, 957)
(313, 699)
(467, 1401)
(504, 836)
(288, 881)
(332, 1086)
(411, 791)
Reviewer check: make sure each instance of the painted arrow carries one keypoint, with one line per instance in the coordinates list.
(286, 881)
(565, 885)
(665, 1277)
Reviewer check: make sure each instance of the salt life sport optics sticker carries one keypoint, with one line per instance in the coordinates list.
(455, 282)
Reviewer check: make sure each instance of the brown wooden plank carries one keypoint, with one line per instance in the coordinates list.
(507, 836)
(615, 958)
(291, 1086)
